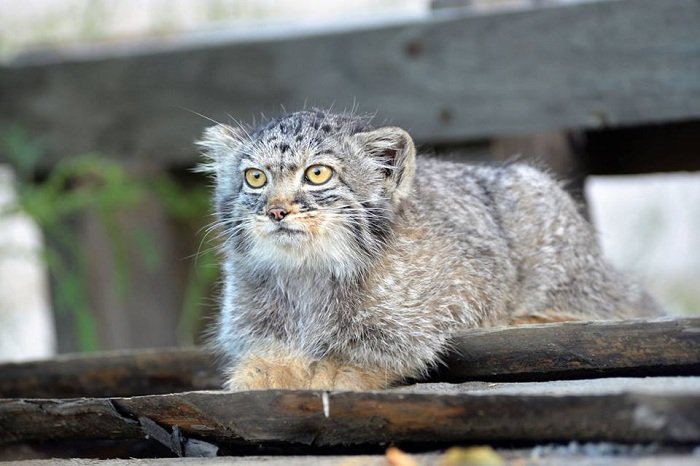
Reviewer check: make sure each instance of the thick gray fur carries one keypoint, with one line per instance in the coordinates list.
(406, 250)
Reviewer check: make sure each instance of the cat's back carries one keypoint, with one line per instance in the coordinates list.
(478, 200)
(520, 214)
(516, 202)
(513, 219)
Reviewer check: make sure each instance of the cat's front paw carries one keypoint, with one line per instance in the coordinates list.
(328, 374)
(270, 371)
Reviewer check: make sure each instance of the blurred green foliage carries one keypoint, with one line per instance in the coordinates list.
(93, 183)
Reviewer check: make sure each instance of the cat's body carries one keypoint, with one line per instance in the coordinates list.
(359, 281)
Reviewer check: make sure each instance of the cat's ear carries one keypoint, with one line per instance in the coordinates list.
(394, 149)
(219, 143)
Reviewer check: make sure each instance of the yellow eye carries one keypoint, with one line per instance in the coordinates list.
(318, 174)
(255, 178)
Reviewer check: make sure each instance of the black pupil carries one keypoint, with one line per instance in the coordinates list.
(317, 171)
(256, 175)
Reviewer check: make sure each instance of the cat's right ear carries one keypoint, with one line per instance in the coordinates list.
(393, 148)
(219, 144)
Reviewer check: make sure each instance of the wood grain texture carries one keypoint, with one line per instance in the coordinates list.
(124, 373)
(533, 352)
(634, 413)
(577, 350)
(449, 76)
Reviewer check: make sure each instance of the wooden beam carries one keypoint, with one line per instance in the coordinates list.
(628, 410)
(533, 352)
(123, 373)
(448, 76)
(577, 350)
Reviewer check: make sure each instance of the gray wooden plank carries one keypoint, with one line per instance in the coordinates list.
(310, 419)
(119, 373)
(90, 418)
(576, 350)
(604, 386)
(533, 352)
(449, 76)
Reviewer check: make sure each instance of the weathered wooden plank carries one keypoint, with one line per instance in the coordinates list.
(533, 352)
(448, 76)
(68, 419)
(577, 349)
(111, 374)
(592, 410)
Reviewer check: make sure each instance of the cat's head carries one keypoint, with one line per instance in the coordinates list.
(309, 188)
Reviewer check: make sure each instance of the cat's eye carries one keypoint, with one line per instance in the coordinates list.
(318, 174)
(255, 178)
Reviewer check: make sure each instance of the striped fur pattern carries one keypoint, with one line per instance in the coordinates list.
(361, 285)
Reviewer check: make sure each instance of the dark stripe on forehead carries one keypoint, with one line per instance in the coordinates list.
(289, 167)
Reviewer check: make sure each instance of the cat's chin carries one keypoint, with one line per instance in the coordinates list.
(287, 251)
(287, 236)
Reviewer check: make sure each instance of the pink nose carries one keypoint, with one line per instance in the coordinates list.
(276, 213)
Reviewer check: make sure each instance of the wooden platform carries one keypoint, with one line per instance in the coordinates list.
(657, 401)
(449, 76)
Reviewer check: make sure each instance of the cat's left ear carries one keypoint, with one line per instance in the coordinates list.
(219, 144)
(394, 149)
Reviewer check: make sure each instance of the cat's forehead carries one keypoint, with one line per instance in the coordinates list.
(291, 139)
(308, 127)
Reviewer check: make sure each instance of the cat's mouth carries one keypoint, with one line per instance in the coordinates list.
(287, 231)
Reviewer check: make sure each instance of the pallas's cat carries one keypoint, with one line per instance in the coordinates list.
(348, 262)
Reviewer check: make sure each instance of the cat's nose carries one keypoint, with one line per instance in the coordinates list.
(276, 213)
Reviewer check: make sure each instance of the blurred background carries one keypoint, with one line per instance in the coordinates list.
(102, 221)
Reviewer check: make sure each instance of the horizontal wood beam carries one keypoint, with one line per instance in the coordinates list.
(577, 350)
(630, 410)
(449, 76)
(533, 352)
(123, 373)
